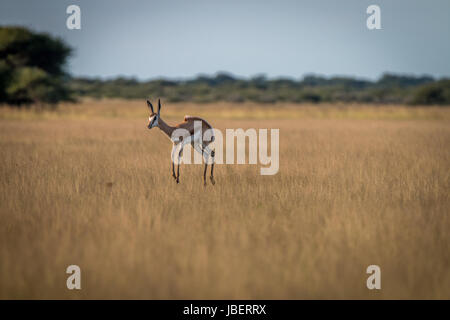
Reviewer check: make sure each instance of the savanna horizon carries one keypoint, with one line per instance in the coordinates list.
(89, 184)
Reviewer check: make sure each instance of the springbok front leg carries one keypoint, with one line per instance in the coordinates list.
(213, 155)
(206, 167)
(180, 154)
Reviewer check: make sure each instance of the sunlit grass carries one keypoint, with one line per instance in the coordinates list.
(90, 185)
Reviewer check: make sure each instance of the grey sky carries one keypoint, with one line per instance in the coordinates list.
(182, 38)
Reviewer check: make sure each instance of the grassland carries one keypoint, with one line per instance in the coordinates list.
(88, 184)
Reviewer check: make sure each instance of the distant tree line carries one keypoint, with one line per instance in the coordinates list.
(32, 71)
(390, 88)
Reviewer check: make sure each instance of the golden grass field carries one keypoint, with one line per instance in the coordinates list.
(90, 185)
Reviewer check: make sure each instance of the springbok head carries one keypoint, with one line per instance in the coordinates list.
(154, 117)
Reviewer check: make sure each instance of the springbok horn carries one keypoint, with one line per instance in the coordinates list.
(149, 104)
(159, 106)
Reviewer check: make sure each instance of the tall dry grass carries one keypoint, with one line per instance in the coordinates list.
(92, 186)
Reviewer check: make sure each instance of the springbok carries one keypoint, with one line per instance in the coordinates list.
(188, 135)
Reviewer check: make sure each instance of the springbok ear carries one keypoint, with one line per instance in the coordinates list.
(149, 104)
(159, 106)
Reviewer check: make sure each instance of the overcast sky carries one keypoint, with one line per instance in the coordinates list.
(183, 38)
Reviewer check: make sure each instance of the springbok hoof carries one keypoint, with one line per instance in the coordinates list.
(212, 180)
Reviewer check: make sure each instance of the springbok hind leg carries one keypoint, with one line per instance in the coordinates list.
(204, 174)
(172, 158)
(205, 155)
(213, 154)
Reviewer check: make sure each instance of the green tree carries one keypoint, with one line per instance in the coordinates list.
(32, 67)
